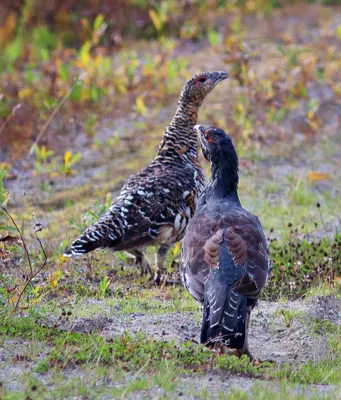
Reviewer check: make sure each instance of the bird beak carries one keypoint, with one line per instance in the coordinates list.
(219, 76)
(199, 129)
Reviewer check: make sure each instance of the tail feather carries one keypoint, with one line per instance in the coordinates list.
(104, 233)
(230, 328)
(224, 313)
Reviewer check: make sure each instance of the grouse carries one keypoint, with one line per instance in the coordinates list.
(225, 259)
(155, 205)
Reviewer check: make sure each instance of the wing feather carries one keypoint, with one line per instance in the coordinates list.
(245, 242)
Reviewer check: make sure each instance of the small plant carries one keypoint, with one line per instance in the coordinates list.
(103, 287)
(69, 160)
(291, 54)
(13, 289)
(288, 316)
(90, 124)
(213, 37)
(159, 14)
(55, 277)
(44, 162)
(140, 106)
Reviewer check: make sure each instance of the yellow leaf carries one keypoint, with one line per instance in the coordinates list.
(36, 290)
(25, 92)
(240, 108)
(62, 259)
(317, 176)
(5, 166)
(99, 60)
(55, 277)
(155, 19)
(231, 41)
(338, 32)
(84, 53)
(311, 114)
(67, 157)
(251, 6)
(122, 88)
(177, 249)
(13, 299)
(140, 106)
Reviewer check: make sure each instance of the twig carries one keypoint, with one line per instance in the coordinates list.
(50, 118)
(32, 275)
(21, 237)
(9, 117)
(318, 205)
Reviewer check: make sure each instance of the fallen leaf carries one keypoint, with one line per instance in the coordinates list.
(317, 176)
(10, 238)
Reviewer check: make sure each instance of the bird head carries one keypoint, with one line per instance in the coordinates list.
(215, 143)
(200, 85)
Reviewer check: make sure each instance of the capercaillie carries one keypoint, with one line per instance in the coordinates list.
(155, 205)
(225, 258)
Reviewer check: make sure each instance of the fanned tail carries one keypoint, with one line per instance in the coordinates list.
(104, 233)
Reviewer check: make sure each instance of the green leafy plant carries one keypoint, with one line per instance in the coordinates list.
(69, 161)
(103, 287)
(213, 37)
(44, 162)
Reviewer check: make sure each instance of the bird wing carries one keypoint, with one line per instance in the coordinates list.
(245, 242)
(194, 269)
(145, 218)
(159, 208)
(153, 206)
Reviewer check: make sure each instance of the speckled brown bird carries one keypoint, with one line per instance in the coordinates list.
(225, 258)
(155, 205)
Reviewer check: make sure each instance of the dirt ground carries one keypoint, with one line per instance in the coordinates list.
(271, 339)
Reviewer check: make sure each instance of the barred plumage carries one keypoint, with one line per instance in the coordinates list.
(155, 205)
(225, 259)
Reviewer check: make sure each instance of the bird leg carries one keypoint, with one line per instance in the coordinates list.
(245, 348)
(160, 257)
(141, 262)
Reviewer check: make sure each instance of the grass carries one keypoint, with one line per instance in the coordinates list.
(132, 353)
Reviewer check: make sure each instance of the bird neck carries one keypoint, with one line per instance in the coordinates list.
(180, 135)
(224, 179)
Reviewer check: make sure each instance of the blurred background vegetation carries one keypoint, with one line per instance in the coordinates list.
(50, 49)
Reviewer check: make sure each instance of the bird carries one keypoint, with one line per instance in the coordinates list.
(155, 205)
(225, 258)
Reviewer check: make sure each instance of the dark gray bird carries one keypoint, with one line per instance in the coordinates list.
(225, 259)
(155, 205)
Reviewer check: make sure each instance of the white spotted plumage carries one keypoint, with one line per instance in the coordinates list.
(155, 205)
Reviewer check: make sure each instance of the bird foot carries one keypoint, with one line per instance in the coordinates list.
(255, 361)
(163, 280)
(144, 268)
(240, 353)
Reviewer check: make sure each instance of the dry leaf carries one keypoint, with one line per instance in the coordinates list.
(10, 238)
(317, 176)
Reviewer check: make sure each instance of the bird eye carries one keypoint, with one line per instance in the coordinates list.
(202, 80)
(208, 137)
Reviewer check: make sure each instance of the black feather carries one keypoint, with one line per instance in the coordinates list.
(224, 308)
